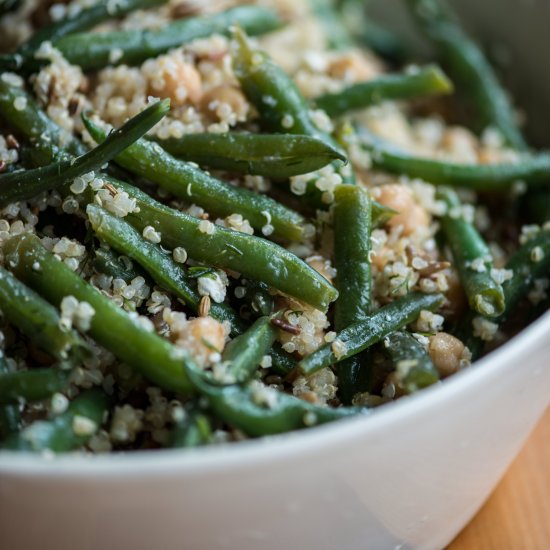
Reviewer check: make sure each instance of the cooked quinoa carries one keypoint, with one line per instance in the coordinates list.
(407, 253)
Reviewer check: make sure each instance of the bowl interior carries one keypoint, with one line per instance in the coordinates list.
(514, 34)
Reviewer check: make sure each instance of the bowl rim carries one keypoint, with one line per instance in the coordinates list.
(243, 455)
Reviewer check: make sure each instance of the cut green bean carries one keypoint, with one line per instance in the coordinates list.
(276, 156)
(67, 432)
(532, 169)
(10, 417)
(187, 181)
(152, 356)
(36, 318)
(94, 50)
(32, 385)
(258, 410)
(121, 236)
(251, 256)
(359, 336)
(470, 68)
(245, 352)
(413, 365)
(472, 258)
(421, 82)
(25, 184)
(352, 222)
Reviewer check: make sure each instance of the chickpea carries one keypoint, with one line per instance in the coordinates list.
(226, 95)
(202, 337)
(410, 214)
(353, 67)
(446, 352)
(176, 79)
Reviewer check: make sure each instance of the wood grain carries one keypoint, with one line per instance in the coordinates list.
(517, 515)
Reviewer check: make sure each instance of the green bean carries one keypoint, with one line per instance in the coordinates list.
(152, 356)
(36, 318)
(187, 181)
(472, 258)
(49, 140)
(94, 50)
(245, 352)
(85, 19)
(352, 222)
(532, 169)
(359, 336)
(107, 262)
(32, 385)
(422, 82)
(530, 262)
(524, 272)
(259, 410)
(469, 67)
(193, 431)
(412, 362)
(65, 432)
(10, 417)
(281, 105)
(254, 258)
(121, 236)
(276, 156)
(25, 184)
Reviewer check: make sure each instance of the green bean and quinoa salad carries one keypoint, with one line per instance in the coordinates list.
(229, 219)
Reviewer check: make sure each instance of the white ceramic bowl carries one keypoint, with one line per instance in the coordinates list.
(409, 476)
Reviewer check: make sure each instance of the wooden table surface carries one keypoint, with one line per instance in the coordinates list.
(517, 515)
